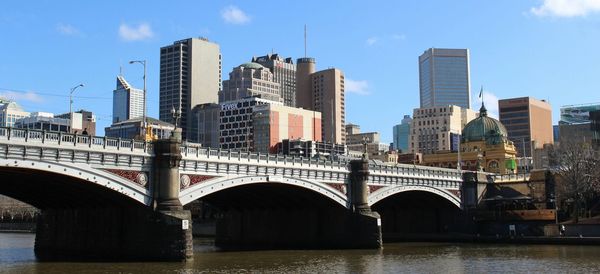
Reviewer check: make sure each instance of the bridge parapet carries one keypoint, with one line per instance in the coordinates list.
(51, 138)
(509, 178)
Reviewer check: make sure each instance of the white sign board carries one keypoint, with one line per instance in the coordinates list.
(185, 224)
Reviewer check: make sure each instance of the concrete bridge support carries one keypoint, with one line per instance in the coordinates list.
(124, 230)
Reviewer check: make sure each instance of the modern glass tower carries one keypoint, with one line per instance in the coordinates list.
(128, 102)
(444, 78)
(402, 133)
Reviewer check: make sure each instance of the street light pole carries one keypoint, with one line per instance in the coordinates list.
(71, 105)
(144, 122)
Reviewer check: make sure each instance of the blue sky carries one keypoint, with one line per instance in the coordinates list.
(547, 49)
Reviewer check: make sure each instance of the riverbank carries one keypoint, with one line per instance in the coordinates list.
(467, 238)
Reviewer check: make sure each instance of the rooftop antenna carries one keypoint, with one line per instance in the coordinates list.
(304, 40)
(120, 70)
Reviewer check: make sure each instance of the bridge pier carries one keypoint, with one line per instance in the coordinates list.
(123, 231)
(365, 224)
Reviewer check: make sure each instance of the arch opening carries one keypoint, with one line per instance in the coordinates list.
(418, 215)
(266, 215)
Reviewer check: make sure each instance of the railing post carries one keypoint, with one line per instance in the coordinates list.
(118, 143)
(26, 135)
(8, 133)
(104, 143)
(43, 136)
(75, 139)
(59, 137)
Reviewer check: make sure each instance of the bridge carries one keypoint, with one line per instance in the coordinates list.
(103, 195)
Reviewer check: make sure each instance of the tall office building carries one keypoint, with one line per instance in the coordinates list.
(284, 73)
(401, 134)
(444, 78)
(304, 95)
(329, 99)
(128, 102)
(437, 129)
(190, 75)
(204, 125)
(250, 80)
(527, 121)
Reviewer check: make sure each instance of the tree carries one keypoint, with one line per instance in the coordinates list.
(578, 168)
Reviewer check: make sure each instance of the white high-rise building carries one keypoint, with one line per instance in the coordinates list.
(10, 112)
(128, 102)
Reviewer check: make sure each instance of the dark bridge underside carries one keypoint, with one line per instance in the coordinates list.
(416, 215)
(276, 216)
(50, 190)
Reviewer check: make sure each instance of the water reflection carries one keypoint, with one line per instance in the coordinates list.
(16, 256)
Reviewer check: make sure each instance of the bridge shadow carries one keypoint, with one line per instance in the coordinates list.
(419, 216)
(275, 216)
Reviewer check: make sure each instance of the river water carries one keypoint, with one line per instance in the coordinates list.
(16, 256)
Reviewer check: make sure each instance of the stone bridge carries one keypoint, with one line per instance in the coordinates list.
(134, 191)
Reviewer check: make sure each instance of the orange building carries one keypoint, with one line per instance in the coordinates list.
(275, 122)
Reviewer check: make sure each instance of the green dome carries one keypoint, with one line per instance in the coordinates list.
(251, 65)
(483, 125)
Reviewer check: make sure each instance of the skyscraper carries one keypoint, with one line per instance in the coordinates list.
(128, 102)
(190, 75)
(444, 78)
(401, 134)
(329, 99)
(527, 121)
(284, 73)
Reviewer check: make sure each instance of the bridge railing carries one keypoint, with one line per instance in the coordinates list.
(197, 151)
(62, 138)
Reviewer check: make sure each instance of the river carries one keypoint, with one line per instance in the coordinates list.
(16, 256)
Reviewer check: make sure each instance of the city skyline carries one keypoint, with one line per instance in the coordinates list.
(54, 49)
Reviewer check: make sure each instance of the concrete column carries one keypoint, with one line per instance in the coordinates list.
(364, 224)
(166, 172)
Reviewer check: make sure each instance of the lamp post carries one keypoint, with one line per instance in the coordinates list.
(143, 62)
(71, 105)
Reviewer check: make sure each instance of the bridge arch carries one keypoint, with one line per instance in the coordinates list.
(218, 184)
(389, 191)
(34, 182)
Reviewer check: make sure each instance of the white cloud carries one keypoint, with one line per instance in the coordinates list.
(566, 8)
(234, 15)
(371, 41)
(67, 29)
(21, 96)
(132, 33)
(491, 103)
(360, 87)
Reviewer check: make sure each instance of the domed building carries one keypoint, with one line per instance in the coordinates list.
(484, 146)
(250, 80)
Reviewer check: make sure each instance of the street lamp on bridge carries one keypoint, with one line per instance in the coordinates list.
(143, 62)
(71, 105)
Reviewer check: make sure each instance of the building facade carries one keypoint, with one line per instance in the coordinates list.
(284, 73)
(250, 80)
(236, 129)
(437, 129)
(273, 123)
(204, 125)
(128, 102)
(529, 123)
(444, 78)
(401, 134)
(82, 120)
(329, 99)
(10, 112)
(44, 121)
(190, 75)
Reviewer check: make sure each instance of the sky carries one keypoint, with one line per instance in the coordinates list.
(546, 49)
